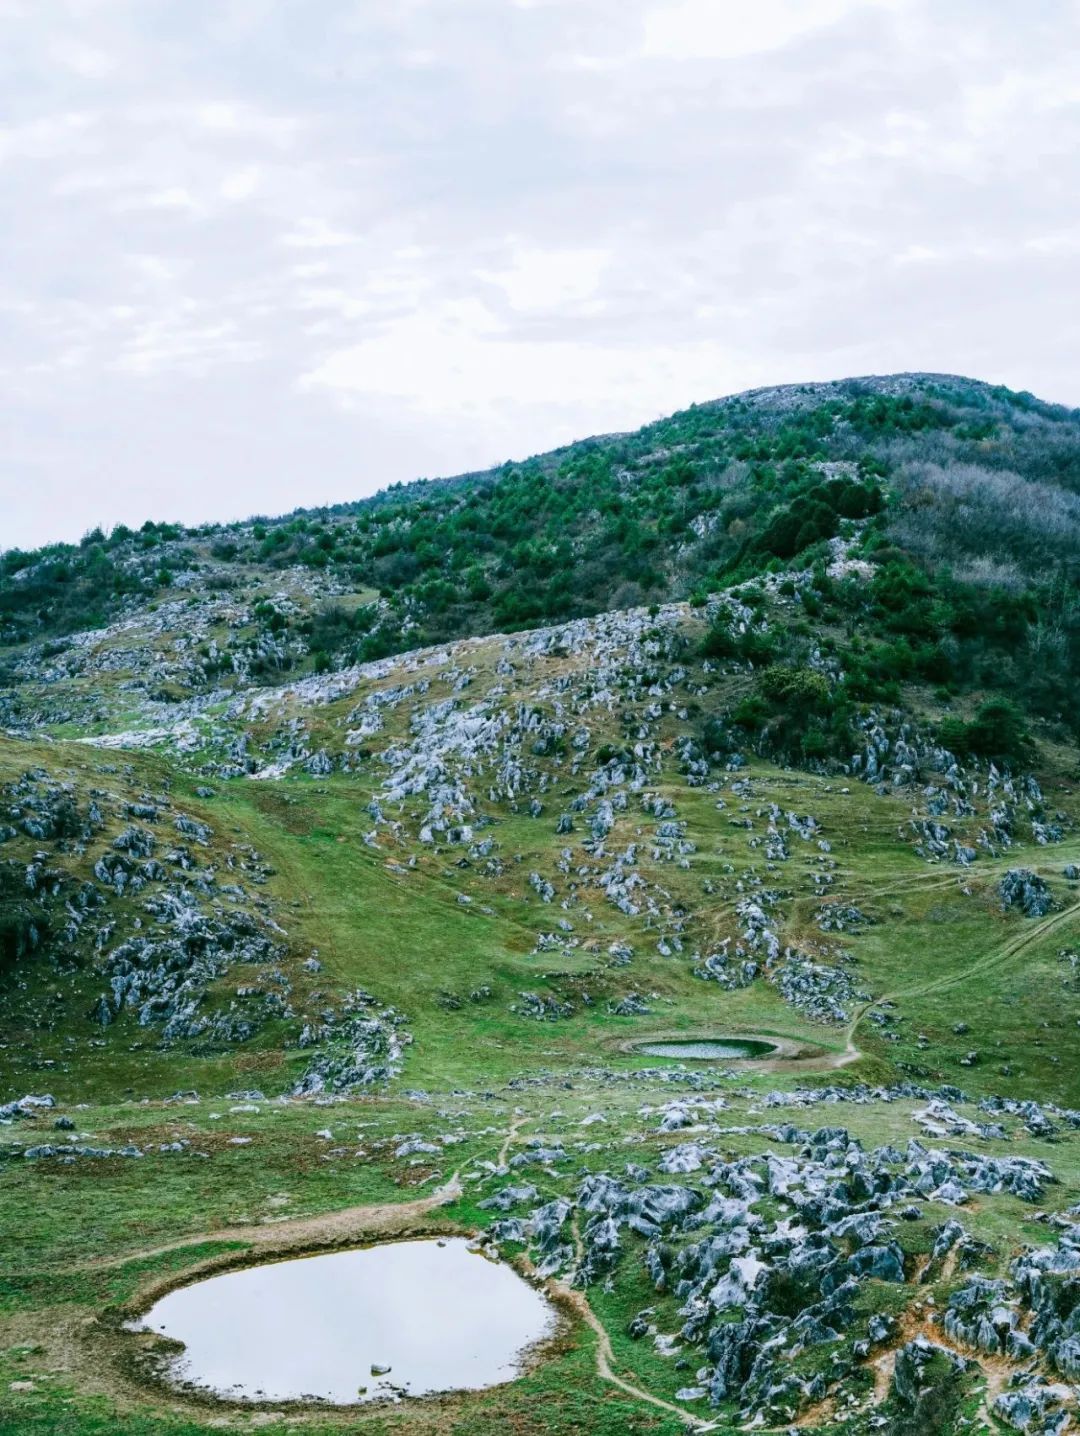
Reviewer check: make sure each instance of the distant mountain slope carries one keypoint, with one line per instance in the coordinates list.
(959, 502)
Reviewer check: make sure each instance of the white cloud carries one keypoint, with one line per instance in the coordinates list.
(168, 197)
(50, 137)
(84, 60)
(712, 30)
(549, 278)
(315, 233)
(417, 237)
(153, 266)
(240, 184)
(460, 357)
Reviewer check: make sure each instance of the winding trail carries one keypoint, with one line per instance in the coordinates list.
(826, 1062)
(330, 1228)
(997, 958)
(605, 1355)
(516, 1123)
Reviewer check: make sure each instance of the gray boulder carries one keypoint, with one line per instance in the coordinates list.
(1023, 889)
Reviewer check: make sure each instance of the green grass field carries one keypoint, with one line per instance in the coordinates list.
(452, 943)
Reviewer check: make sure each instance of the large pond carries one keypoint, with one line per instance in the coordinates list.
(406, 1318)
(707, 1049)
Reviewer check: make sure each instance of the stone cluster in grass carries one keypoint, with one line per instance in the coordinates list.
(587, 728)
(759, 1262)
(169, 926)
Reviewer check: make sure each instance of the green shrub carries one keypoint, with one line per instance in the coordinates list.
(996, 733)
(794, 687)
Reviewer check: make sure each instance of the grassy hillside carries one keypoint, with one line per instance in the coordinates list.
(964, 498)
(338, 898)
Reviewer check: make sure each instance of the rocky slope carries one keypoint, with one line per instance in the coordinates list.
(417, 912)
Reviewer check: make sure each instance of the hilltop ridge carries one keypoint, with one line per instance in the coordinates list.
(956, 493)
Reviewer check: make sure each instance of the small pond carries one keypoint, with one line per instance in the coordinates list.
(711, 1049)
(436, 1315)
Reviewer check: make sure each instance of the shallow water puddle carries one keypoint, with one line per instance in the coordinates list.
(439, 1316)
(707, 1048)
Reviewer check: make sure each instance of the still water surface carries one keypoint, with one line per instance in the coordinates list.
(714, 1048)
(438, 1315)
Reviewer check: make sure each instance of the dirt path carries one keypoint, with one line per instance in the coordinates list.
(516, 1123)
(359, 1222)
(328, 1229)
(995, 1370)
(1003, 954)
(935, 878)
(605, 1357)
(992, 960)
(827, 1062)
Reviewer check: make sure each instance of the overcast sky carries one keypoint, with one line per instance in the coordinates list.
(262, 253)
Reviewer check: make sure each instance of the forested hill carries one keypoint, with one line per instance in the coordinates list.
(954, 505)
